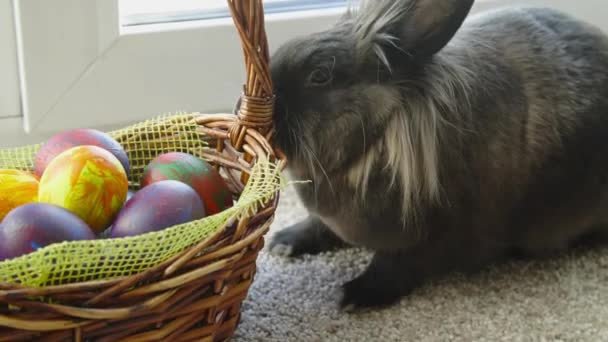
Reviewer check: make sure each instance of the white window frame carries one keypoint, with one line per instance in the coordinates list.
(10, 106)
(78, 68)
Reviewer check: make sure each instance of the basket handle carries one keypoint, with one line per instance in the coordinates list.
(256, 104)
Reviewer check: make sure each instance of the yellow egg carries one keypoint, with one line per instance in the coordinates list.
(16, 189)
(87, 180)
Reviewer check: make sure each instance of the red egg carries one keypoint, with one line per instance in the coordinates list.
(36, 225)
(158, 206)
(78, 137)
(196, 172)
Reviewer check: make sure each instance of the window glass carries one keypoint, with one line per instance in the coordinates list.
(142, 12)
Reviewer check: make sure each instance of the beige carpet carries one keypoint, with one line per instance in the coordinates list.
(557, 300)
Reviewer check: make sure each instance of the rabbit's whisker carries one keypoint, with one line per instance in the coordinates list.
(318, 162)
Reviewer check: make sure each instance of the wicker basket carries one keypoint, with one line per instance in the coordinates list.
(195, 295)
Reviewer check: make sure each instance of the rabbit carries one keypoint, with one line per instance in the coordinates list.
(442, 141)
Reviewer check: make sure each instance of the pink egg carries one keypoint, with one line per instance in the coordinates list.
(78, 137)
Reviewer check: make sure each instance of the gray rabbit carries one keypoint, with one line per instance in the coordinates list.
(442, 144)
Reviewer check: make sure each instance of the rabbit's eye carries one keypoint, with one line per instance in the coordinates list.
(320, 77)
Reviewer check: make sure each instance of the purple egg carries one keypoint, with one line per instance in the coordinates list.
(32, 226)
(158, 206)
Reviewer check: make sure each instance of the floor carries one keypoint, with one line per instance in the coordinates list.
(558, 300)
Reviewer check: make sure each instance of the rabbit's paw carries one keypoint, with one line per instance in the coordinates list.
(383, 283)
(362, 292)
(307, 237)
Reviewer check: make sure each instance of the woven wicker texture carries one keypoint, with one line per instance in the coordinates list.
(79, 261)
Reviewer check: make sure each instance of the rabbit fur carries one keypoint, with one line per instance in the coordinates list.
(443, 142)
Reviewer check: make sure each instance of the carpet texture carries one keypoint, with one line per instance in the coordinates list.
(564, 299)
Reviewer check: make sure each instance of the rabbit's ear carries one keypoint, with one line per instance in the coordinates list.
(417, 27)
(430, 24)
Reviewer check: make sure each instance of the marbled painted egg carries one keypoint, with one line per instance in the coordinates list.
(158, 206)
(194, 171)
(36, 225)
(88, 181)
(78, 137)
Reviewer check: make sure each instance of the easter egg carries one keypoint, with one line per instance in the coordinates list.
(78, 137)
(196, 172)
(88, 181)
(158, 206)
(16, 188)
(36, 225)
